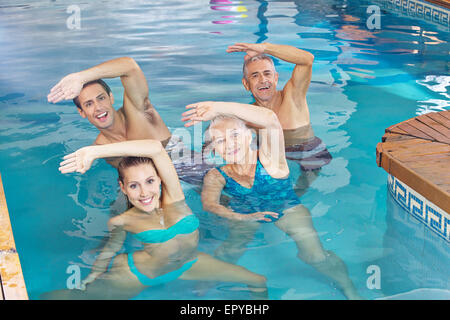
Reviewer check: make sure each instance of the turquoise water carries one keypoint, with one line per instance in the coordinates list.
(363, 81)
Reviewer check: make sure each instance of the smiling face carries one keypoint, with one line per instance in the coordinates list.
(231, 140)
(97, 106)
(141, 184)
(261, 79)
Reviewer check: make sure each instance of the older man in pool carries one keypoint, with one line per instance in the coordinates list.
(289, 104)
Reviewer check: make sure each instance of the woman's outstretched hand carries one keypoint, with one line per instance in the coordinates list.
(198, 112)
(259, 216)
(89, 279)
(78, 161)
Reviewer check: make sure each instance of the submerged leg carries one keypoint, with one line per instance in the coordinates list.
(297, 223)
(116, 284)
(239, 235)
(211, 269)
(305, 179)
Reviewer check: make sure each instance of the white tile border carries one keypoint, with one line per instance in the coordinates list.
(435, 218)
(418, 9)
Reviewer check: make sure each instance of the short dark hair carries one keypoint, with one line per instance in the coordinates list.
(100, 82)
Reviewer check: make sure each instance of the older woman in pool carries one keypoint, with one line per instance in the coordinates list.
(159, 218)
(256, 180)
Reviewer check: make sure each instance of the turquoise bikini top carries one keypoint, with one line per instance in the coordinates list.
(186, 225)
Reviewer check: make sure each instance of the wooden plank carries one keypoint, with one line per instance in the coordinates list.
(437, 126)
(396, 129)
(388, 129)
(436, 116)
(432, 175)
(391, 137)
(416, 144)
(414, 131)
(445, 114)
(429, 157)
(419, 149)
(429, 131)
(420, 184)
(404, 144)
(442, 3)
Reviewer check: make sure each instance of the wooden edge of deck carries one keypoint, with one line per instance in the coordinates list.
(12, 282)
(442, 3)
(415, 181)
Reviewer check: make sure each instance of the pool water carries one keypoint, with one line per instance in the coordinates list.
(363, 81)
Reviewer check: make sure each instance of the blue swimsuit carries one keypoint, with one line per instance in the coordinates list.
(266, 194)
(186, 225)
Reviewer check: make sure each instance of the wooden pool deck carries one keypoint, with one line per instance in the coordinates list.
(442, 3)
(417, 152)
(12, 284)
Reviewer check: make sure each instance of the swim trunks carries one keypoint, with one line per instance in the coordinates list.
(306, 149)
(189, 164)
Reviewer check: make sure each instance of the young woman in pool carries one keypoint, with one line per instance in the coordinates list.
(256, 180)
(159, 218)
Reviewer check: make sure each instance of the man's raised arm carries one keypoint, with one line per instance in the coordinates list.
(301, 76)
(131, 75)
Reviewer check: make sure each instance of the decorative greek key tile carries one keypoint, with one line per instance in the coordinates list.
(420, 208)
(418, 9)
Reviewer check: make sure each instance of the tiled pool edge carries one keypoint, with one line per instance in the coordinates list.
(419, 9)
(433, 217)
(12, 281)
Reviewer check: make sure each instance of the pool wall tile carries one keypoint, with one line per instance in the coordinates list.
(12, 281)
(426, 212)
(418, 9)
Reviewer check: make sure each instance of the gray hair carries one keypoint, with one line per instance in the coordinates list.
(256, 58)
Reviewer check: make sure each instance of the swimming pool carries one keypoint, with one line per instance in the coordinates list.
(363, 81)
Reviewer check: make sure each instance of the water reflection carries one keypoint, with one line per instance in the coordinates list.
(226, 5)
(414, 256)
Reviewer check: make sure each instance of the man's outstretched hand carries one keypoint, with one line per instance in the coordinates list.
(252, 49)
(68, 88)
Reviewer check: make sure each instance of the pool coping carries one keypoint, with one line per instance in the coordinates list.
(412, 152)
(12, 283)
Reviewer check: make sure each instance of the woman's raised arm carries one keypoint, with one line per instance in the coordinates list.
(271, 138)
(82, 159)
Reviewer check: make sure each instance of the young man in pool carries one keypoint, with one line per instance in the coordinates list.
(289, 104)
(136, 119)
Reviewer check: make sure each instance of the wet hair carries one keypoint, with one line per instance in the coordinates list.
(256, 58)
(100, 82)
(128, 162)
